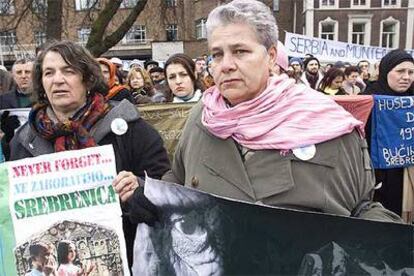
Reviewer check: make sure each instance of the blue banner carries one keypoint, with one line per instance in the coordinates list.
(392, 132)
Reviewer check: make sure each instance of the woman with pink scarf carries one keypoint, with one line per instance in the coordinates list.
(264, 139)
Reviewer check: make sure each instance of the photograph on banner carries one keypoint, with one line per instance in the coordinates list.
(392, 128)
(21, 113)
(331, 51)
(202, 234)
(64, 214)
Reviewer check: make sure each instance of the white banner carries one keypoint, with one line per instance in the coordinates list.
(331, 51)
(68, 196)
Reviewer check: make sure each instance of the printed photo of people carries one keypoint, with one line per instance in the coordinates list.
(70, 248)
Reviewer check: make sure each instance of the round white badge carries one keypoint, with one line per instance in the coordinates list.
(305, 153)
(119, 126)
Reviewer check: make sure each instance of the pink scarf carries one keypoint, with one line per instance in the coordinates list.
(284, 116)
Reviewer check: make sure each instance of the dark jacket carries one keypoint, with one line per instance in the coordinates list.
(10, 100)
(139, 150)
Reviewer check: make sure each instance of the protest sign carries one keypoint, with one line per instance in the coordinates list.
(169, 120)
(392, 132)
(331, 51)
(359, 106)
(21, 113)
(64, 199)
(201, 234)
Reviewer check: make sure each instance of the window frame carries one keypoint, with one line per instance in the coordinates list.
(141, 29)
(128, 5)
(329, 21)
(11, 9)
(81, 6)
(334, 6)
(360, 18)
(395, 22)
(172, 28)
(359, 6)
(396, 5)
(82, 32)
(39, 37)
(171, 3)
(6, 47)
(201, 23)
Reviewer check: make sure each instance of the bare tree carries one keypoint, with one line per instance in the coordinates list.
(97, 42)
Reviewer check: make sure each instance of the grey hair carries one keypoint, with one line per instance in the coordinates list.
(254, 13)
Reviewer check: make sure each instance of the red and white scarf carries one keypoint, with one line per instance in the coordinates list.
(284, 116)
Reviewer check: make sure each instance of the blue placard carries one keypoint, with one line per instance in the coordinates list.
(392, 132)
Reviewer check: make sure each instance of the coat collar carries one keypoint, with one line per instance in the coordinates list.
(36, 145)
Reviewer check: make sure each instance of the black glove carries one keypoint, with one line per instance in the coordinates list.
(8, 124)
(140, 209)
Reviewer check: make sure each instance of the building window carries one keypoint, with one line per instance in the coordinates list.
(128, 4)
(172, 32)
(358, 33)
(85, 4)
(328, 4)
(39, 6)
(359, 29)
(8, 40)
(328, 29)
(6, 7)
(135, 35)
(171, 3)
(39, 38)
(83, 35)
(201, 31)
(360, 3)
(276, 5)
(390, 3)
(390, 30)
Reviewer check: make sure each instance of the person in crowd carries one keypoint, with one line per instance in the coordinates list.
(200, 68)
(331, 83)
(264, 139)
(71, 113)
(179, 71)
(7, 82)
(117, 62)
(396, 78)
(135, 63)
(41, 259)
(340, 65)
(297, 64)
(157, 75)
(117, 92)
(18, 97)
(351, 78)
(363, 66)
(208, 80)
(140, 85)
(312, 76)
(326, 68)
(150, 64)
(66, 255)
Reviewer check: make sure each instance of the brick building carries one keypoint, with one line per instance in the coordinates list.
(181, 23)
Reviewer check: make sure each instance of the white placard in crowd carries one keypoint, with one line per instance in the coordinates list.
(331, 51)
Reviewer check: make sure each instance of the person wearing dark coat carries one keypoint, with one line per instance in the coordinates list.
(72, 113)
(17, 97)
(396, 78)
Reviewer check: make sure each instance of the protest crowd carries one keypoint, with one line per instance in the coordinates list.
(265, 128)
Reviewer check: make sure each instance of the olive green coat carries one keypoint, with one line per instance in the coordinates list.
(338, 180)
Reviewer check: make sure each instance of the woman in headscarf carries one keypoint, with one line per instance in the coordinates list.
(396, 78)
(263, 139)
(71, 113)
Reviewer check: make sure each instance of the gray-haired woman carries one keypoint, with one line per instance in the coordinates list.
(262, 138)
